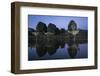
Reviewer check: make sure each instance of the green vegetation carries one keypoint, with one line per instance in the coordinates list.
(51, 31)
(72, 26)
(41, 27)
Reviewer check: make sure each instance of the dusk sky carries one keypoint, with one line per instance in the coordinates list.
(59, 21)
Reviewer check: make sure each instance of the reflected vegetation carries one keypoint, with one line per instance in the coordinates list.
(47, 47)
(50, 42)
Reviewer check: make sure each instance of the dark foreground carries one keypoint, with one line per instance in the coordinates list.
(43, 47)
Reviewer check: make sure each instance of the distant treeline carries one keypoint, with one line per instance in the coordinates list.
(42, 28)
(51, 28)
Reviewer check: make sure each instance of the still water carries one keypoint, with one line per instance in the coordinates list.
(45, 50)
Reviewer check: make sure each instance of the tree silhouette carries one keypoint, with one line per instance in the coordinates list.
(30, 30)
(62, 31)
(72, 25)
(57, 31)
(41, 27)
(51, 28)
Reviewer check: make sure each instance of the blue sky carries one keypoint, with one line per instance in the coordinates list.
(59, 21)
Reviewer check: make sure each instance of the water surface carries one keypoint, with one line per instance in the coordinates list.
(46, 50)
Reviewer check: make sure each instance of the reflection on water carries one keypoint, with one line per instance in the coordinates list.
(53, 48)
